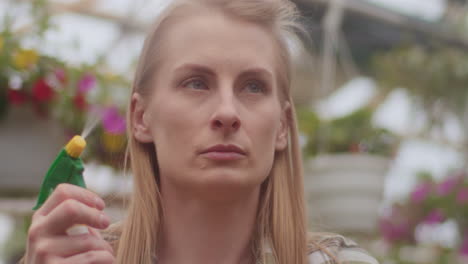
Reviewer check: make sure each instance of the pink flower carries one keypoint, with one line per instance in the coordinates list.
(86, 83)
(434, 217)
(396, 226)
(113, 122)
(60, 75)
(394, 231)
(421, 192)
(464, 246)
(447, 186)
(462, 196)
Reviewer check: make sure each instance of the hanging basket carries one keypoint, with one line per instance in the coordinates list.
(344, 192)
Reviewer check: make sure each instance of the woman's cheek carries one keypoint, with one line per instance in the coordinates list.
(170, 115)
(177, 131)
(265, 133)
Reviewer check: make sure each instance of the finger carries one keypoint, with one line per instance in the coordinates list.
(72, 212)
(95, 257)
(67, 191)
(66, 246)
(95, 232)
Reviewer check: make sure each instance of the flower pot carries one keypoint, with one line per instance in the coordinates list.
(344, 192)
(29, 144)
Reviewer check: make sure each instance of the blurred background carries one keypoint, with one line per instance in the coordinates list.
(381, 93)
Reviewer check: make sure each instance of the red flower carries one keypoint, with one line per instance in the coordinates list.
(42, 92)
(80, 101)
(354, 148)
(16, 97)
(40, 109)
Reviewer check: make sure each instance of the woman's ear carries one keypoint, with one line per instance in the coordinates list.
(282, 136)
(140, 126)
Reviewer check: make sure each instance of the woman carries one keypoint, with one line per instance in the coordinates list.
(213, 148)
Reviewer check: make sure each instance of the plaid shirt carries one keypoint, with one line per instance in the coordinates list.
(326, 248)
(343, 249)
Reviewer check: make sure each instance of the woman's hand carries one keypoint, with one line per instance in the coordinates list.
(48, 241)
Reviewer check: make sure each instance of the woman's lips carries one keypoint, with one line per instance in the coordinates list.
(224, 152)
(216, 155)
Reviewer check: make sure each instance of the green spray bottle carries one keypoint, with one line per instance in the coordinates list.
(66, 168)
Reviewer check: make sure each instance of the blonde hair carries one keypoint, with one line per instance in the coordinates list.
(281, 219)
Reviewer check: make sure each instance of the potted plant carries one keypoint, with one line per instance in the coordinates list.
(43, 102)
(411, 222)
(346, 160)
(435, 77)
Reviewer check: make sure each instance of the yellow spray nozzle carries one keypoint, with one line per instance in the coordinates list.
(75, 146)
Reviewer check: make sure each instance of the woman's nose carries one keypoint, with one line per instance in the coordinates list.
(226, 117)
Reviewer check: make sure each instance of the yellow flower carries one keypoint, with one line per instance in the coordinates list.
(25, 58)
(111, 76)
(113, 142)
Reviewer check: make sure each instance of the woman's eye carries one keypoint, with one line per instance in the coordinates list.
(255, 87)
(196, 84)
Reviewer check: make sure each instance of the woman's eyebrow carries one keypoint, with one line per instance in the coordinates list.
(207, 70)
(257, 71)
(195, 67)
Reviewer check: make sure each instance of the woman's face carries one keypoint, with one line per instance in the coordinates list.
(214, 114)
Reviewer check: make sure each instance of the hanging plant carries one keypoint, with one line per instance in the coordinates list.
(69, 94)
(353, 133)
(435, 77)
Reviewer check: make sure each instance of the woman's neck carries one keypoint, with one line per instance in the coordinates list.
(198, 231)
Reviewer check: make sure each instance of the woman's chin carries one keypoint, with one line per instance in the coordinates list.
(224, 185)
(225, 178)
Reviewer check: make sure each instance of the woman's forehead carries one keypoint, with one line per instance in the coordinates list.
(217, 40)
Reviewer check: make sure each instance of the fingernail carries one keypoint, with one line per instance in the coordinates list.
(104, 220)
(99, 203)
